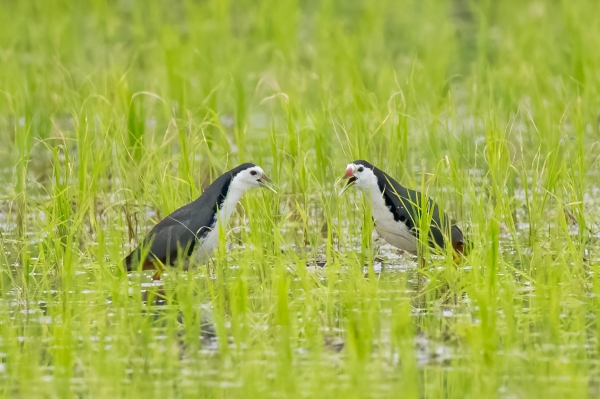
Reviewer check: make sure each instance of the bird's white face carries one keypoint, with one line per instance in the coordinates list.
(360, 176)
(250, 178)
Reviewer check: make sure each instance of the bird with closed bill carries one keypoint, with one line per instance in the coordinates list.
(397, 210)
(192, 231)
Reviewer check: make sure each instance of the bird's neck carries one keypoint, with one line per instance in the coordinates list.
(227, 207)
(377, 201)
(375, 196)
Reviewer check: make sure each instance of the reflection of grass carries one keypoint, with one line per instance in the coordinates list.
(114, 115)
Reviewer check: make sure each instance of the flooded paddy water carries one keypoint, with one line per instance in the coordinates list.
(343, 322)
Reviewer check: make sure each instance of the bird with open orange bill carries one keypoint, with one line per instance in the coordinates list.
(397, 211)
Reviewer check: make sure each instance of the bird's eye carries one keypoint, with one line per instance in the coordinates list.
(360, 169)
(253, 172)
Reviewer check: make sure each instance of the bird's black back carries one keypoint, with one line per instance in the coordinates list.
(406, 206)
(181, 230)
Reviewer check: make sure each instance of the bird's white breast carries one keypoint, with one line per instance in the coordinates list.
(394, 232)
(207, 245)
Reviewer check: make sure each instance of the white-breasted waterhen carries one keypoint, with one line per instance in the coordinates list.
(397, 210)
(193, 229)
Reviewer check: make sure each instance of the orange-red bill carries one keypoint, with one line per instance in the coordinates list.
(350, 176)
(349, 172)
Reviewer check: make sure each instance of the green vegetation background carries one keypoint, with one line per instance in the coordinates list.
(115, 113)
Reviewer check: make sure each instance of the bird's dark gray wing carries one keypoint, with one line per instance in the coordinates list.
(406, 206)
(176, 233)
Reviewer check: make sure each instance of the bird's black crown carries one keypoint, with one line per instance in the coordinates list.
(363, 163)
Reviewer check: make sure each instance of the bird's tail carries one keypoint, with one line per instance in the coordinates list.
(131, 260)
(458, 242)
(460, 247)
